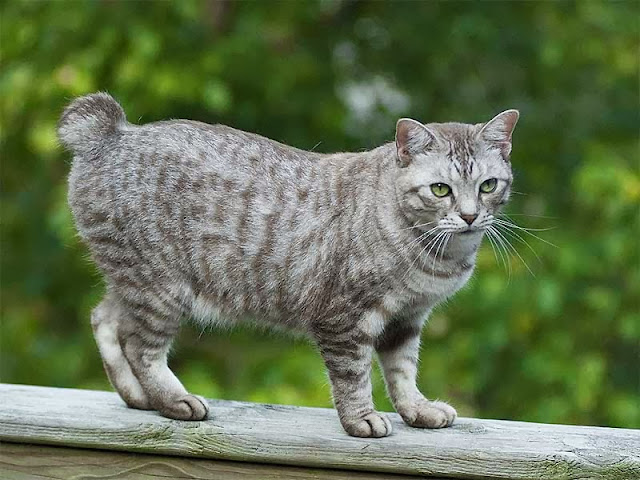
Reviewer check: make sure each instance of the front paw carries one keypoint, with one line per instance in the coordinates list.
(186, 407)
(372, 424)
(426, 414)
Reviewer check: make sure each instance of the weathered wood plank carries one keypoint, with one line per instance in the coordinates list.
(312, 437)
(20, 461)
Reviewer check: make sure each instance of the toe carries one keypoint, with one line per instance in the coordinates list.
(426, 414)
(377, 424)
(371, 425)
(448, 410)
(431, 418)
(187, 407)
(197, 406)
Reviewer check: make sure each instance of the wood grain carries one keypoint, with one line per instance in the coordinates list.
(19, 461)
(313, 438)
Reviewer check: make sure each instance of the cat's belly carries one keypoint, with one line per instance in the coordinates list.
(210, 310)
(419, 291)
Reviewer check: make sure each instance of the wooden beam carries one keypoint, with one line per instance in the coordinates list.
(21, 461)
(313, 438)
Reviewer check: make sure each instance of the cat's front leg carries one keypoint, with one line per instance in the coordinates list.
(347, 353)
(398, 349)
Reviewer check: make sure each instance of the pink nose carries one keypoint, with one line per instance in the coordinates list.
(469, 218)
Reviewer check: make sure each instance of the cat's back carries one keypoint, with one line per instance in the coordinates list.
(167, 163)
(163, 199)
(95, 128)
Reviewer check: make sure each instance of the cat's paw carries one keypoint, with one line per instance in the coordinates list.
(426, 414)
(187, 407)
(372, 424)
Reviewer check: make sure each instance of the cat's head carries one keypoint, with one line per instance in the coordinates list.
(454, 177)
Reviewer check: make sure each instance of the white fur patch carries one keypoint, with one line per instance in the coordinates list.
(106, 335)
(375, 322)
(205, 311)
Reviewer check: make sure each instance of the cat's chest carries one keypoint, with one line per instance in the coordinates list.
(426, 288)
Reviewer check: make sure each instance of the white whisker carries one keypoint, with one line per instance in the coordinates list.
(525, 230)
(514, 234)
(502, 249)
(435, 256)
(444, 246)
(511, 247)
(527, 215)
(493, 247)
(422, 236)
(436, 242)
(418, 225)
(431, 242)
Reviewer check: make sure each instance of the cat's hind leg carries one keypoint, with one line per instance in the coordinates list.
(146, 337)
(104, 321)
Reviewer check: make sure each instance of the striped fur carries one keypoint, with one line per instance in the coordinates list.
(189, 219)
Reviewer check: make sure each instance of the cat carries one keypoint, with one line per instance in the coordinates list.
(186, 219)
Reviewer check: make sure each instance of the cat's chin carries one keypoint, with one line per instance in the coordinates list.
(470, 232)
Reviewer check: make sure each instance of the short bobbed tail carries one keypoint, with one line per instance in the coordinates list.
(89, 121)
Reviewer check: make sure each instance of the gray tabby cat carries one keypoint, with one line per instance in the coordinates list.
(355, 249)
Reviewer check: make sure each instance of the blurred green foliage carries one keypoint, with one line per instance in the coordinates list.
(560, 346)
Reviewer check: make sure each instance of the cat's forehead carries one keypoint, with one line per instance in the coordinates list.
(458, 142)
(462, 154)
(452, 131)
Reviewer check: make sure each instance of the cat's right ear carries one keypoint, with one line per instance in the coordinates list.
(412, 137)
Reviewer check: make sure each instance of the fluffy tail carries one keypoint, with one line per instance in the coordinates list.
(89, 121)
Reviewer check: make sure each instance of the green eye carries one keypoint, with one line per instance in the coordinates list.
(489, 186)
(440, 189)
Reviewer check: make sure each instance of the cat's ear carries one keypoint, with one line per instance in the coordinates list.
(412, 137)
(499, 129)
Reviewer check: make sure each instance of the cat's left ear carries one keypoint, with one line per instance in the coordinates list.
(499, 129)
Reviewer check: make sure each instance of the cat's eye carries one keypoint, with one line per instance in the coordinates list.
(440, 189)
(489, 186)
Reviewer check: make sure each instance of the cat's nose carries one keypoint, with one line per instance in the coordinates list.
(469, 218)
